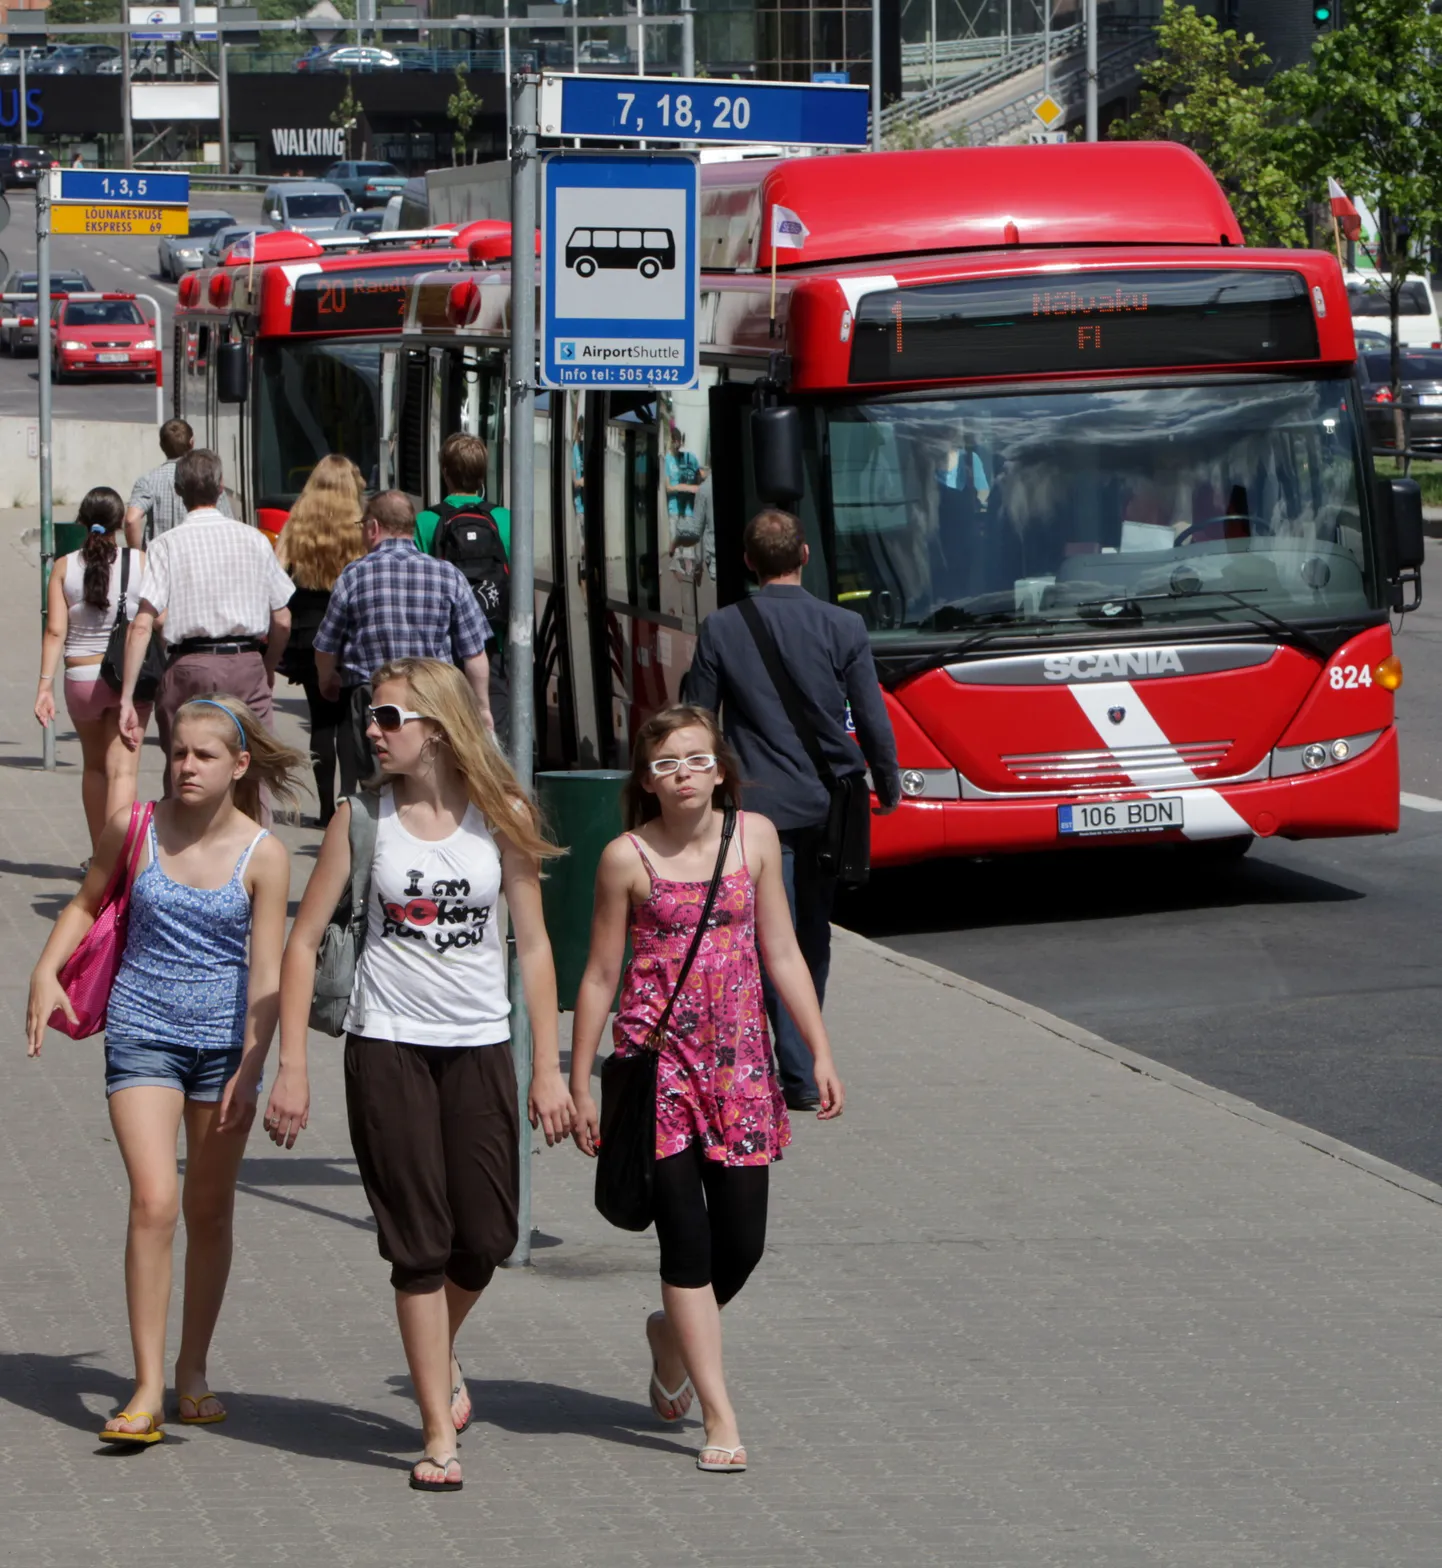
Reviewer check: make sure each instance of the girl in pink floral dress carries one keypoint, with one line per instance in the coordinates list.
(720, 1116)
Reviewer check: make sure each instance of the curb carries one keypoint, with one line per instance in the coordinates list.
(1232, 1104)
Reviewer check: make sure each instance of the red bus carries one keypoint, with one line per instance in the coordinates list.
(1095, 475)
(282, 354)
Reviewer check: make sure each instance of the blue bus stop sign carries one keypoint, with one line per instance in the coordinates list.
(620, 269)
(708, 109)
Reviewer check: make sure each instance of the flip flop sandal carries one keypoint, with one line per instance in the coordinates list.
(729, 1468)
(444, 1466)
(456, 1393)
(195, 1401)
(152, 1434)
(658, 1392)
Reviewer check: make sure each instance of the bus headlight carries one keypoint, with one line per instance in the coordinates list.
(1341, 750)
(913, 782)
(1290, 761)
(1314, 756)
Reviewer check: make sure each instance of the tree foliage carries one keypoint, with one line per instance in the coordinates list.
(1199, 91)
(347, 112)
(462, 107)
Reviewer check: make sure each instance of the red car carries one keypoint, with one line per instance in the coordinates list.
(102, 335)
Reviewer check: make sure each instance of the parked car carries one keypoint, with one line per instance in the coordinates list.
(25, 334)
(74, 60)
(1417, 324)
(1421, 398)
(184, 252)
(310, 206)
(10, 60)
(367, 184)
(102, 337)
(223, 239)
(361, 222)
(22, 165)
(1371, 342)
(350, 57)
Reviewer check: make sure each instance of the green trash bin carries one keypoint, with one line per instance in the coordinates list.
(68, 537)
(582, 811)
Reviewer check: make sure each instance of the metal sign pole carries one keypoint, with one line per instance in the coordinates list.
(876, 75)
(43, 352)
(1046, 48)
(127, 129)
(224, 107)
(520, 655)
(21, 116)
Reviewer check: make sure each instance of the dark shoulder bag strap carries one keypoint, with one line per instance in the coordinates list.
(728, 827)
(788, 691)
(364, 820)
(122, 610)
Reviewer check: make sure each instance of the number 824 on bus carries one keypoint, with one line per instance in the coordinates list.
(1120, 816)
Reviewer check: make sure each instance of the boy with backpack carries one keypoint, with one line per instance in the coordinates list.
(475, 537)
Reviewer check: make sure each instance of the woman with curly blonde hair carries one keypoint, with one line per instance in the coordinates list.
(321, 537)
(429, 1082)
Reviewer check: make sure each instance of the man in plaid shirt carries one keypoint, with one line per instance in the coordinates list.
(395, 603)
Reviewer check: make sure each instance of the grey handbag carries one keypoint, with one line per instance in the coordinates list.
(345, 936)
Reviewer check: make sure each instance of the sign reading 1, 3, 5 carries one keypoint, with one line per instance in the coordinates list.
(626, 108)
(112, 185)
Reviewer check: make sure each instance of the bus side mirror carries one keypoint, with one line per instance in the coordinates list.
(230, 372)
(776, 455)
(1405, 541)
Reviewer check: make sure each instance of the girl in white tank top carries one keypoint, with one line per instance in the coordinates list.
(430, 1085)
(81, 610)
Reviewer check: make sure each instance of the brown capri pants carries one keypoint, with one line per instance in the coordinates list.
(239, 675)
(435, 1131)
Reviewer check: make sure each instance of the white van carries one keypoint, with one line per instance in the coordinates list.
(1417, 324)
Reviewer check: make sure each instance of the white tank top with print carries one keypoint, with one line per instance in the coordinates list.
(432, 971)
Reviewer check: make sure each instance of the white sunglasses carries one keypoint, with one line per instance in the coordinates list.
(700, 762)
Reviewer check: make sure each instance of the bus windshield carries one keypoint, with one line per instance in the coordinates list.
(315, 398)
(1222, 503)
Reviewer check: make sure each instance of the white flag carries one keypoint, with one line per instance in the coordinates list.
(788, 232)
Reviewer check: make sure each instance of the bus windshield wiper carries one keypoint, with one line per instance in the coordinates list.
(1008, 624)
(1265, 620)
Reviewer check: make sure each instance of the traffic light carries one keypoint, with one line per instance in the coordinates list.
(1324, 14)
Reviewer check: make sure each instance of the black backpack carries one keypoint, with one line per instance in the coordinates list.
(467, 536)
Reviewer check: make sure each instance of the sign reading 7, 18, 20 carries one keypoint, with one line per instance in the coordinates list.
(641, 108)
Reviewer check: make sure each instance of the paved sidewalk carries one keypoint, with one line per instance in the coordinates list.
(1030, 1303)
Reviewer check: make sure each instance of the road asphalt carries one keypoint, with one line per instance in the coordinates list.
(1035, 1300)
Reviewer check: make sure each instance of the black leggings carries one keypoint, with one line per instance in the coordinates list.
(325, 719)
(710, 1221)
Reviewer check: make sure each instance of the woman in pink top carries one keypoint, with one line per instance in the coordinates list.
(720, 1116)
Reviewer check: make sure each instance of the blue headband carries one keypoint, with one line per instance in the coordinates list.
(210, 702)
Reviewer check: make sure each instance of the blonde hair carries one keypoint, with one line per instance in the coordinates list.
(322, 535)
(441, 693)
(279, 768)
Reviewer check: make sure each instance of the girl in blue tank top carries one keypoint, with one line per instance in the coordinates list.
(189, 1022)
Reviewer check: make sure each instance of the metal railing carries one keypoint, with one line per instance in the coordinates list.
(1069, 90)
(1025, 54)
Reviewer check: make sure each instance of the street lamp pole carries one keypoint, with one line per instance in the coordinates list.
(876, 75)
(1091, 26)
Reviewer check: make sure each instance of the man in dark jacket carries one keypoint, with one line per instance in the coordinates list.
(828, 653)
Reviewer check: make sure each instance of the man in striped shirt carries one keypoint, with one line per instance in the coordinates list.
(154, 507)
(224, 598)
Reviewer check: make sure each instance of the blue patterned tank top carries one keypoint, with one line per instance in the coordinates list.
(185, 976)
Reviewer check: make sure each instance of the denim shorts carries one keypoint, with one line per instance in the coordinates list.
(199, 1075)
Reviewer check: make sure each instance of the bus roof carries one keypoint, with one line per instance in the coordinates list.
(965, 198)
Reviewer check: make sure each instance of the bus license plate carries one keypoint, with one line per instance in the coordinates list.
(113, 359)
(1121, 816)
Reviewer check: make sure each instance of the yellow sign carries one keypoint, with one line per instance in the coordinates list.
(1048, 111)
(118, 219)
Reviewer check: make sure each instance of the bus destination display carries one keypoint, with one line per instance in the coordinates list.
(1083, 321)
(359, 301)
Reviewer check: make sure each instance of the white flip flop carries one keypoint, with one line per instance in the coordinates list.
(730, 1467)
(658, 1392)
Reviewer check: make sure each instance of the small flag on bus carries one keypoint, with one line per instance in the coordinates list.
(1349, 220)
(788, 232)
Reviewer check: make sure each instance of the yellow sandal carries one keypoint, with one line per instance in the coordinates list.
(195, 1401)
(153, 1433)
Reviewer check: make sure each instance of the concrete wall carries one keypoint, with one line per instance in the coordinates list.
(84, 453)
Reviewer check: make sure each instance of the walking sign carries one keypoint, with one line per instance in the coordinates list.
(621, 273)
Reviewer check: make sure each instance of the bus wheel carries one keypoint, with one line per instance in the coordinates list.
(585, 267)
(650, 267)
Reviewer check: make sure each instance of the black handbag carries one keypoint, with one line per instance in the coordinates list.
(626, 1154)
(844, 851)
(112, 666)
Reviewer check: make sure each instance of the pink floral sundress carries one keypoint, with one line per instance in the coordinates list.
(714, 1077)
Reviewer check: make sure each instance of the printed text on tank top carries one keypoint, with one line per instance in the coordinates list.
(440, 914)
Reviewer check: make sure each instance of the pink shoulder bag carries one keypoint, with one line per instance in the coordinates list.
(88, 974)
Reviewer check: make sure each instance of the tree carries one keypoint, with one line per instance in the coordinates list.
(1197, 92)
(347, 112)
(462, 106)
(912, 132)
(1370, 110)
